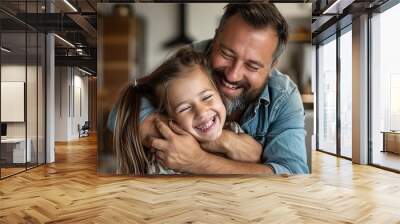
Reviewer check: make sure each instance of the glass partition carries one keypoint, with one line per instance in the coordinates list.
(31, 97)
(22, 64)
(385, 89)
(14, 152)
(327, 96)
(41, 96)
(346, 94)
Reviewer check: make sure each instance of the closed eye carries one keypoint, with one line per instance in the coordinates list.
(252, 67)
(226, 54)
(207, 97)
(184, 109)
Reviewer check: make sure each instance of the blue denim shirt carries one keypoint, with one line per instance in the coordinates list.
(275, 120)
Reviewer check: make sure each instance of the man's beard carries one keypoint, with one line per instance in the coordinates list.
(238, 103)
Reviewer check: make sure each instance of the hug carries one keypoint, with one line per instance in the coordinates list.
(218, 106)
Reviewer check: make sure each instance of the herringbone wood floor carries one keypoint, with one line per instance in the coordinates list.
(70, 191)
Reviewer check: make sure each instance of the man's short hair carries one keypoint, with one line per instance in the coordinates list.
(259, 16)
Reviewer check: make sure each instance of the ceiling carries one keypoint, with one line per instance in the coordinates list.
(76, 22)
(332, 15)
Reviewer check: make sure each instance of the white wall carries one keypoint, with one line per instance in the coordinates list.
(67, 115)
(13, 101)
(158, 29)
(204, 19)
(33, 126)
(61, 103)
(79, 117)
(14, 73)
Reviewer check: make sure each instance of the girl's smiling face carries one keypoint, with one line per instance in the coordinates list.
(195, 104)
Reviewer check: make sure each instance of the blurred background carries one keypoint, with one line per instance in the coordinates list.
(161, 28)
(133, 39)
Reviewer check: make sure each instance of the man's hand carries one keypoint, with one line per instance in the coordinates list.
(148, 128)
(178, 149)
(239, 147)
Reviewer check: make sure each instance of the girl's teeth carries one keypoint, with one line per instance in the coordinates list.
(207, 125)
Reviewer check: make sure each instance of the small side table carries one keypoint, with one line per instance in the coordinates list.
(14, 150)
(391, 141)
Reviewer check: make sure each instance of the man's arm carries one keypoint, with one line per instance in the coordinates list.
(239, 147)
(180, 151)
(213, 164)
(285, 149)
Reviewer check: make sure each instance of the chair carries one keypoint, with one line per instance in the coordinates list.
(84, 130)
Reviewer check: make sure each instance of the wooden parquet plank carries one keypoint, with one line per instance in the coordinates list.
(70, 191)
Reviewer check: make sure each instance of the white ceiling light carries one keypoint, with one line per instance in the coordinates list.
(337, 7)
(5, 50)
(84, 71)
(79, 51)
(65, 41)
(70, 5)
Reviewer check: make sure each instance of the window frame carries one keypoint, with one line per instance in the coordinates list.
(341, 29)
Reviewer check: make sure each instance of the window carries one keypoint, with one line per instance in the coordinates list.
(385, 89)
(346, 94)
(327, 97)
(333, 137)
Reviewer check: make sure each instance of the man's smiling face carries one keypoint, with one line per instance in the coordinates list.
(241, 60)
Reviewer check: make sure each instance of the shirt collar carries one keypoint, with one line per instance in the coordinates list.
(265, 96)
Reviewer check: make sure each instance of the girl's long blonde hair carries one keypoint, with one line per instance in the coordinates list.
(131, 156)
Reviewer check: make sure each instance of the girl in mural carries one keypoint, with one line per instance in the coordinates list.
(180, 88)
